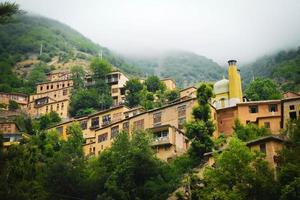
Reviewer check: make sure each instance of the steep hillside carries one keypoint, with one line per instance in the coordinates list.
(185, 67)
(21, 43)
(283, 67)
(24, 39)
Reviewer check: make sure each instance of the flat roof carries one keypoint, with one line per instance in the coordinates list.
(258, 102)
(264, 139)
(187, 88)
(14, 93)
(47, 82)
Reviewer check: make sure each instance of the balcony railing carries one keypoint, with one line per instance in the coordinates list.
(160, 141)
(112, 80)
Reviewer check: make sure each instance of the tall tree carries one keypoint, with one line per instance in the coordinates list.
(289, 174)
(154, 84)
(133, 88)
(78, 76)
(7, 10)
(238, 173)
(249, 131)
(262, 89)
(64, 172)
(201, 129)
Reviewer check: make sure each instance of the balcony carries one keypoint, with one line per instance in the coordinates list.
(160, 141)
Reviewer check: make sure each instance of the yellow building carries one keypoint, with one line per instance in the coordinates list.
(10, 132)
(228, 91)
(21, 99)
(170, 83)
(290, 110)
(117, 81)
(270, 146)
(51, 96)
(93, 121)
(165, 123)
(189, 92)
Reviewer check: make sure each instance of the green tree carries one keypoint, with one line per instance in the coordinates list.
(133, 88)
(66, 167)
(7, 10)
(289, 173)
(201, 129)
(86, 100)
(172, 95)
(154, 84)
(249, 131)
(100, 68)
(238, 173)
(129, 170)
(47, 120)
(13, 105)
(78, 76)
(262, 89)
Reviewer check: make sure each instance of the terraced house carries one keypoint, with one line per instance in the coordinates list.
(51, 96)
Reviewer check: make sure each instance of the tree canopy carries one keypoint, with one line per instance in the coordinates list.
(262, 89)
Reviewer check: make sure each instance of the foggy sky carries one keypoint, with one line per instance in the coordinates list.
(218, 29)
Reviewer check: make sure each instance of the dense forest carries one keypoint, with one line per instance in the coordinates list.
(283, 67)
(22, 40)
(185, 67)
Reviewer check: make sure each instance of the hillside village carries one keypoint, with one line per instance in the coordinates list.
(78, 121)
(166, 123)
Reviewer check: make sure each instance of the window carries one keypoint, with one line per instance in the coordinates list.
(253, 109)
(57, 86)
(181, 116)
(138, 124)
(62, 105)
(157, 119)
(114, 132)
(63, 85)
(105, 120)
(47, 87)
(95, 122)
(126, 115)
(114, 90)
(292, 107)
(126, 126)
(262, 148)
(46, 108)
(267, 124)
(51, 108)
(83, 125)
(293, 115)
(41, 88)
(161, 134)
(59, 130)
(102, 137)
(273, 108)
(51, 86)
(65, 92)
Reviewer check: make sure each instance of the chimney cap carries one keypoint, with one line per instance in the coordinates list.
(232, 62)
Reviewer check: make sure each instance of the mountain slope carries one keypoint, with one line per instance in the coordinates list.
(283, 67)
(63, 46)
(23, 40)
(185, 67)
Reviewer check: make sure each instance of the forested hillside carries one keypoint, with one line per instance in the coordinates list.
(283, 67)
(24, 38)
(185, 67)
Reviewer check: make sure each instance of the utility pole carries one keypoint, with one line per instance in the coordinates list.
(41, 49)
(101, 55)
